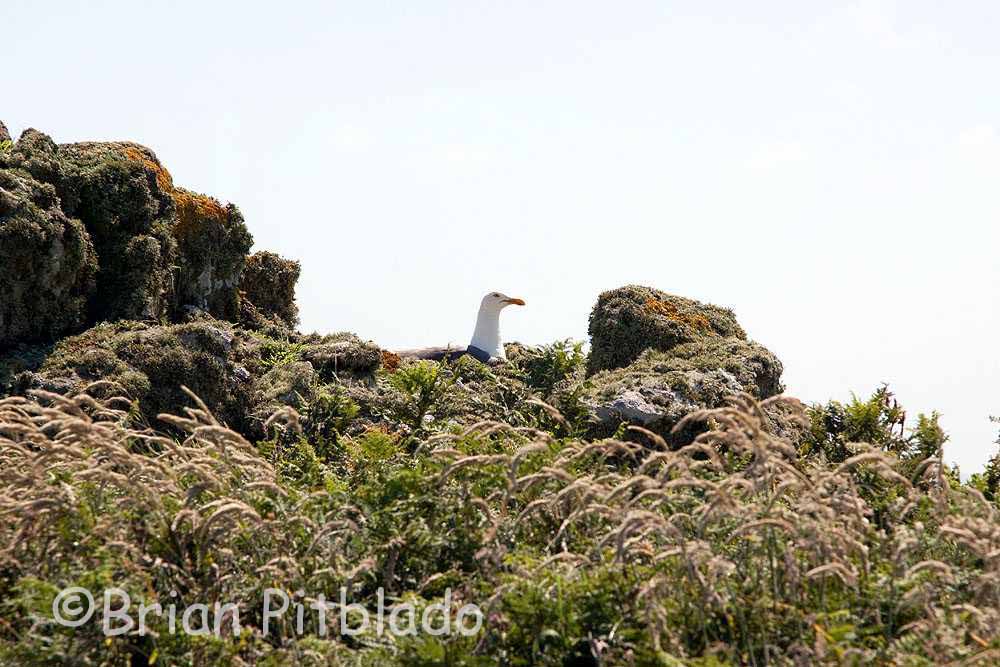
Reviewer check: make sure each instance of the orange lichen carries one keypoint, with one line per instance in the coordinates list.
(163, 178)
(193, 208)
(390, 361)
(671, 312)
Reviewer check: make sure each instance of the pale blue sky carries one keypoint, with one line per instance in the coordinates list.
(831, 172)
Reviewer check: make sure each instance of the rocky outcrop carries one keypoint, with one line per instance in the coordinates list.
(150, 363)
(628, 320)
(660, 357)
(122, 195)
(212, 242)
(104, 225)
(241, 375)
(48, 262)
(97, 234)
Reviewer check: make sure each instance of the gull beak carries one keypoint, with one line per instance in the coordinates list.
(516, 302)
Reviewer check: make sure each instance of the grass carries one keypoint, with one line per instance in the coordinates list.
(738, 549)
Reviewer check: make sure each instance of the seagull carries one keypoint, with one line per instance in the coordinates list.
(486, 344)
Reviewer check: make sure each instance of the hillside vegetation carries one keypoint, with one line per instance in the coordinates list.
(165, 430)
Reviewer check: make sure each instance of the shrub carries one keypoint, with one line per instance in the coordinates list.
(548, 366)
(421, 387)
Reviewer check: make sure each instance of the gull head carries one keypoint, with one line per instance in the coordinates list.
(494, 302)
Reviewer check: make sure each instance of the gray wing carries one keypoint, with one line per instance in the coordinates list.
(433, 353)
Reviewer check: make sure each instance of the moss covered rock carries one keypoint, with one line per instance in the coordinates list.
(121, 194)
(292, 384)
(333, 355)
(656, 357)
(160, 248)
(212, 242)
(628, 320)
(150, 364)
(48, 262)
(269, 284)
(660, 388)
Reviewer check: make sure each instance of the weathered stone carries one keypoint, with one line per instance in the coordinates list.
(212, 242)
(628, 320)
(688, 356)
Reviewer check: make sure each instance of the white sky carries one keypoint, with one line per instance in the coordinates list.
(831, 173)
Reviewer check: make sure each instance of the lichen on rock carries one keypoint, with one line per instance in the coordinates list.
(213, 243)
(121, 194)
(143, 248)
(657, 357)
(628, 320)
(659, 388)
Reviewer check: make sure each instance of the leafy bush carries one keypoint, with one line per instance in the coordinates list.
(548, 366)
(421, 386)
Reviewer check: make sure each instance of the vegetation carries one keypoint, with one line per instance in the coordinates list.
(736, 549)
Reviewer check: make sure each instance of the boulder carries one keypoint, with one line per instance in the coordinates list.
(121, 193)
(626, 321)
(660, 357)
(160, 248)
